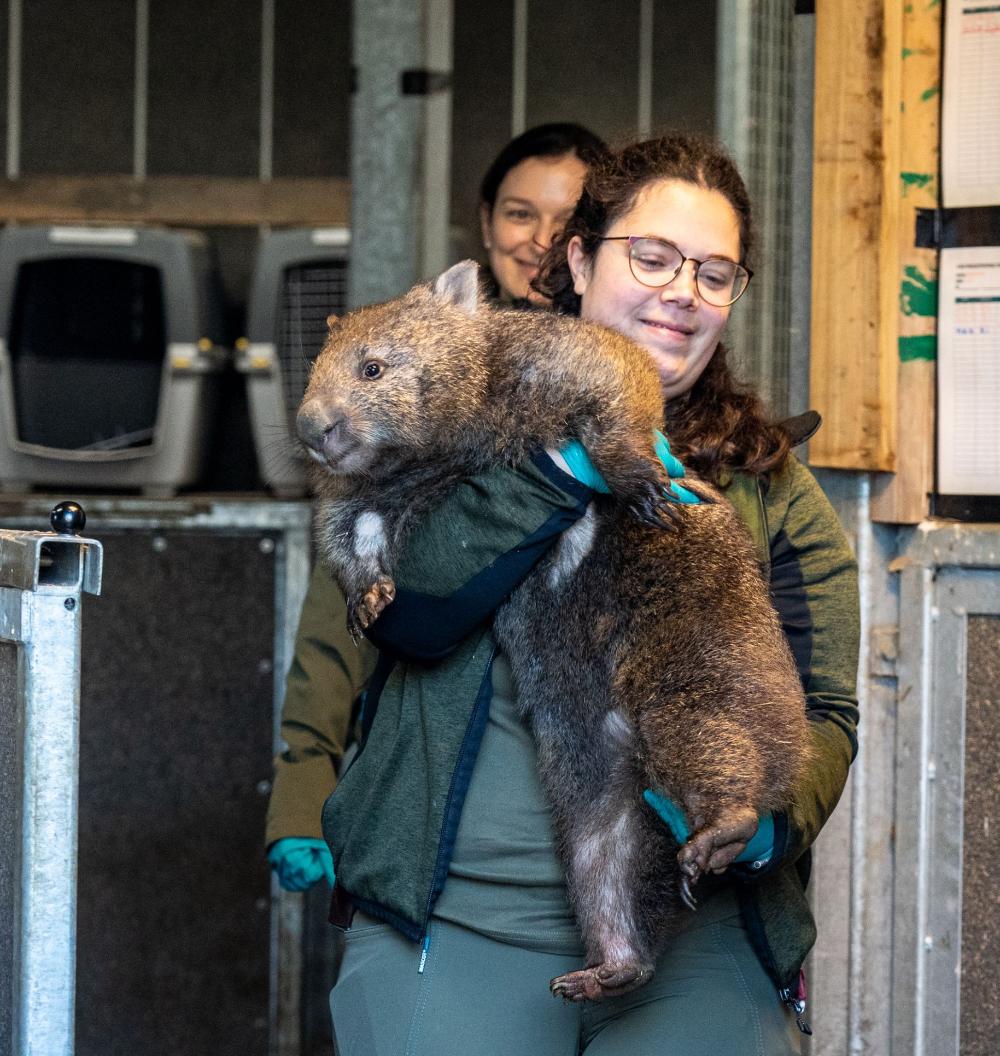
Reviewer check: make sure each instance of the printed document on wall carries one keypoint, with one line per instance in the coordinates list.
(969, 372)
(970, 134)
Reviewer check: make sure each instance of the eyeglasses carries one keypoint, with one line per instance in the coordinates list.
(655, 262)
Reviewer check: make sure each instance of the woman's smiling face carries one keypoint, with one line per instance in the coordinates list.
(678, 329)
(534, 201)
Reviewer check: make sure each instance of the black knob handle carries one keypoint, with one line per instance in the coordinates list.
(67, 518)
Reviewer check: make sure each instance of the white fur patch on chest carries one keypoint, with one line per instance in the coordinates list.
(369, 535)
(573, 546)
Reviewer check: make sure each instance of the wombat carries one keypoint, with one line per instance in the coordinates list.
(644, 647)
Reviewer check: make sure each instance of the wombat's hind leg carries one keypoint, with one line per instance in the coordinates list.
(602, 980)
(617, 909)
(714, 847)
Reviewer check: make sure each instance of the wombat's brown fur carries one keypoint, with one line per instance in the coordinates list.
(642, 657)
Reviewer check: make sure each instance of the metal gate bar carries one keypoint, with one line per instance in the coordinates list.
(42, 577)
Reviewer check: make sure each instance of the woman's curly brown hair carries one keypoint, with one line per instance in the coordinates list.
(718, 424)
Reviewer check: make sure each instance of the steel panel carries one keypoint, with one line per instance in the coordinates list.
(184, 660)
(949, 575)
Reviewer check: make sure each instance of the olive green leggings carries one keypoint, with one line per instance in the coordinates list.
(474, 996)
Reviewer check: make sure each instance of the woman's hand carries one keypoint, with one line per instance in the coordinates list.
(300, 862)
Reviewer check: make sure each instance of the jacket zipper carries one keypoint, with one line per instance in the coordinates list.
(431, 895)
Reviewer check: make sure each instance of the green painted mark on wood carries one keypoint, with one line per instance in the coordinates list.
(907, 52)
(922, 346)
(930, 93)
(918, 293)
(919, 180)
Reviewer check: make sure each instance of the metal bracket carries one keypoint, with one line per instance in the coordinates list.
(948, 228)
(44, 563)
(41, 577)
(424, 82)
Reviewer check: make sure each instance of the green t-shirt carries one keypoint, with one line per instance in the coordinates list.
(505, 880)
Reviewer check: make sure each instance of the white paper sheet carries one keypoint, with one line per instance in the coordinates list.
(969, 372)
(970, 134)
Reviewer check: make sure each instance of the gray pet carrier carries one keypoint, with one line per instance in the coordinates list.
(107, 354)
(300, 278)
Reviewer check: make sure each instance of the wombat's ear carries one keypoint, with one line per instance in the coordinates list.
(459, 285)
(332, 322)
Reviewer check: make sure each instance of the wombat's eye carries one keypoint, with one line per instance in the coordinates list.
(372, 369)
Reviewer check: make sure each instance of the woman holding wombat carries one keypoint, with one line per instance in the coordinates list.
(656, 249)
(525, 197)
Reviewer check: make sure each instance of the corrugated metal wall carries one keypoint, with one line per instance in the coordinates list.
(262, 87)
(622, 67)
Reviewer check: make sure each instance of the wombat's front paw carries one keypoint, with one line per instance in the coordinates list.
(642, 488)
(603, 980)
(653, 508)
(364, 611)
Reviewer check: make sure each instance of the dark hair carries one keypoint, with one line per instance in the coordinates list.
(542, 141)
(718, 424)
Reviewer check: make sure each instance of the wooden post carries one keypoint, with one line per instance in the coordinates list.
(903, 496)
(853, 375)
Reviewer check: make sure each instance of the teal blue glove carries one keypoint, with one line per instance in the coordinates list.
(586, 472)
(300, 862)
(758, 850)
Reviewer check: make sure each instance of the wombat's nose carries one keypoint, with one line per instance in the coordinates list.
(322, 429)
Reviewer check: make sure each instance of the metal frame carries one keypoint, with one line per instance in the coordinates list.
(885, 976)
(42, 577)
(402, 161)
(849, 971)
(754, 100)
(14, 26)
(948, 573)
(290, 523)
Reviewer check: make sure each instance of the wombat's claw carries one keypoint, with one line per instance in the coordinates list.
(603, 980)
(670, 514)
(655, 512)
(687, 897)
(355, 629)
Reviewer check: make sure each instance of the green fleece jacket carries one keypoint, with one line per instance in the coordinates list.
(392, 820)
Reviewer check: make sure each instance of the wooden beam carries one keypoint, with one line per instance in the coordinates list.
(198, 201)
(903, 497)
(855, 233)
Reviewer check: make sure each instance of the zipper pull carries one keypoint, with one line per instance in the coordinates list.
(423, 954)
(797, 1003)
